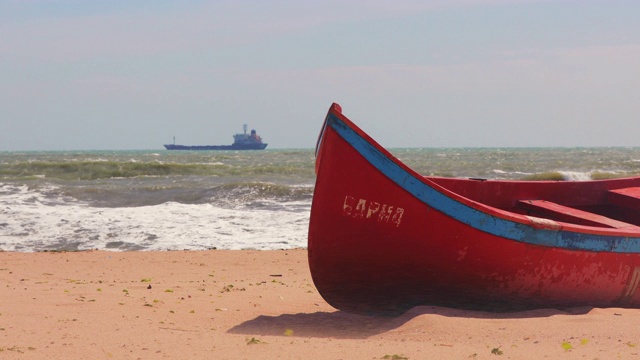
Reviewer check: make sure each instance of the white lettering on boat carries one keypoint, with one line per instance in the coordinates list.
(368, 209)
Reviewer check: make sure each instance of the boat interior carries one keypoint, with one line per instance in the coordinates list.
(605, 203)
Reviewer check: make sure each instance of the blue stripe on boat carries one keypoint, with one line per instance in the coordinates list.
(477, 219)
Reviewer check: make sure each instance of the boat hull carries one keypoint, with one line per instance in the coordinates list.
(382, 239)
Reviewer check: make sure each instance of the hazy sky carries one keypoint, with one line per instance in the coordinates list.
(124, 74)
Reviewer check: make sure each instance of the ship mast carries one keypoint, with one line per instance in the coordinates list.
(244, 127)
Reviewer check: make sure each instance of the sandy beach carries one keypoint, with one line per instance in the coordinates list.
(260, 305)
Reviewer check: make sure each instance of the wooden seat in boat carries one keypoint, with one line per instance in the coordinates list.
(626, 197)
(568, 214)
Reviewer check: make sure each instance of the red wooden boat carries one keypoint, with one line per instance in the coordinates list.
(383, 238)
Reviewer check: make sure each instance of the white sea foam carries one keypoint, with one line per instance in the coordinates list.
(37, 220)
(575, 175)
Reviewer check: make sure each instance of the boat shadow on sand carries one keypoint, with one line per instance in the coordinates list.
(343, 325)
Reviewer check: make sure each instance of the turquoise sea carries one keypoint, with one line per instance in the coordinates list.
(174, 200)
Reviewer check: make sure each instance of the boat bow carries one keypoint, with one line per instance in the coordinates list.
(382, 237)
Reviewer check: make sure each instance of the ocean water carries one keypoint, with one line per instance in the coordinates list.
(175, 200)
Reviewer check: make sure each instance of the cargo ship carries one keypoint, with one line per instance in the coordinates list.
(241, 141)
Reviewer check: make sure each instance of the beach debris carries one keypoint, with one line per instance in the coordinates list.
(276, 275)
(230, 287)
(497, 351)
(567, 346)
(19, 350)
(254, 341)
(394, 357)
(288, 332)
